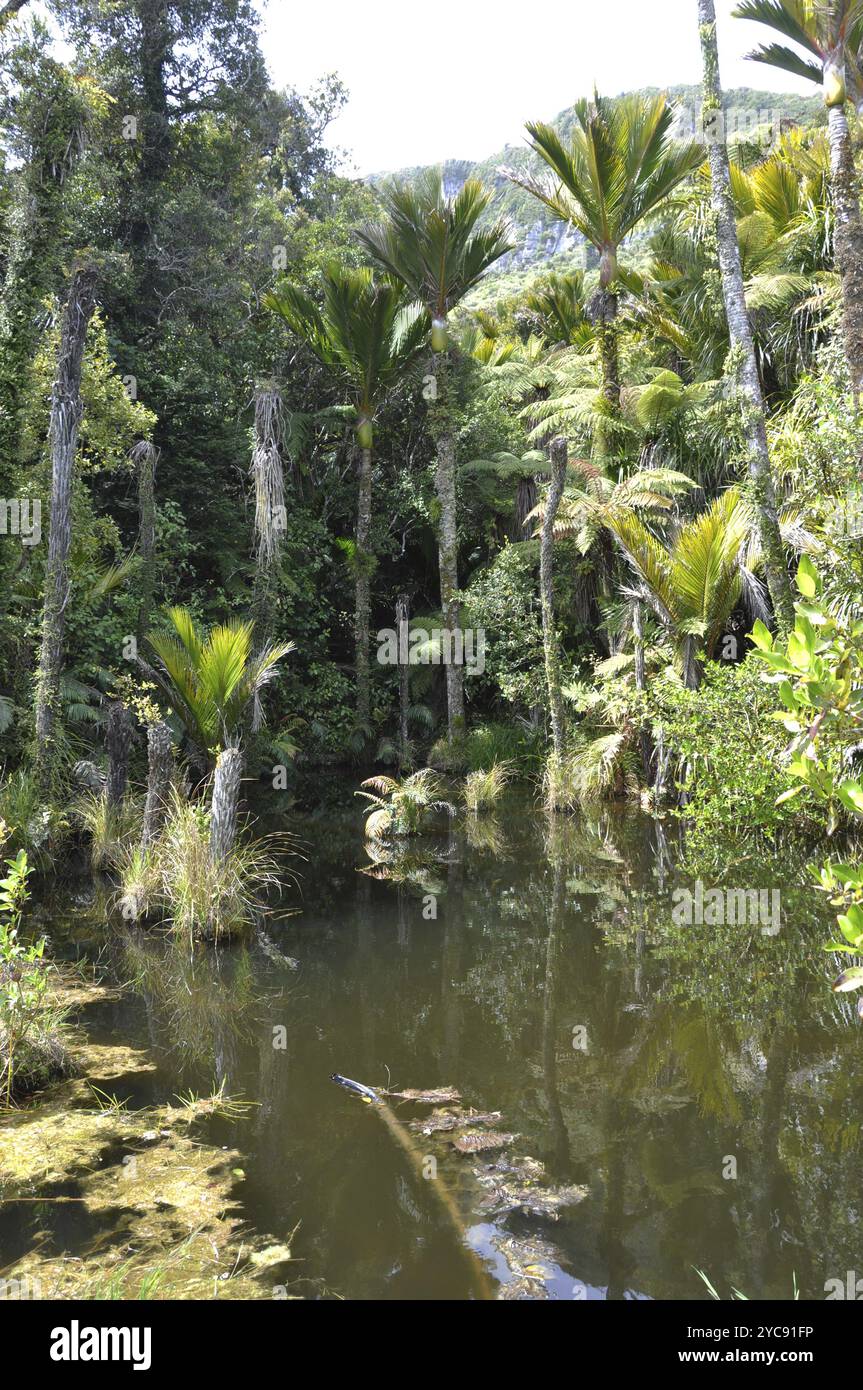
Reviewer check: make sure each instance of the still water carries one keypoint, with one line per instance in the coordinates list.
(699, 1085)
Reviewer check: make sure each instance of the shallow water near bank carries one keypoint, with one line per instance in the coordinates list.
(696, 1089)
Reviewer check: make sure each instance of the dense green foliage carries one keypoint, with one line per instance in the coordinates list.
(367, 348)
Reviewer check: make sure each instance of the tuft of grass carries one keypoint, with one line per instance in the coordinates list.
(483, 790)
(177, 879)
(518, 744)
(29, 821)
(216, 1103)
(108, 1104)
(111, 829)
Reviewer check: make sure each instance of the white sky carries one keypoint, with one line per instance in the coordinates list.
(458, 78)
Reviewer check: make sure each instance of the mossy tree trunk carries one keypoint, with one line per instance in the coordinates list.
(740, 329)
(644, 738)
(447, 533)
(848, 240)
(224, 804)
(362, 595)
(36, 227)
(403, 639)
(268, 476)
(605, 307)
(145, 457)
(559, 455)
(118, 740)
(66, 411)
(160, 770)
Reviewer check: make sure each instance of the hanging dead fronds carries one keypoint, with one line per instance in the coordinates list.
(267, 473)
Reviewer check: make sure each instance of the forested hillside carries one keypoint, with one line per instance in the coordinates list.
(540, 237)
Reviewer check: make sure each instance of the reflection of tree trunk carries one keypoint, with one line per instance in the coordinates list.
(560, 1137)
(366, 975)
(160, 761)
(118, 739)
(777, 1186)
(66, 410)
(546, 570)
(451, 960)
(740, 332)
(403, 641)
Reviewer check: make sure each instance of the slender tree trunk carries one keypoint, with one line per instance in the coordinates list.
(559, 455)
(740, 331)
(160, 769)
(447, 529)
(526, 499)
(605, 320)
(363, 593)
(145, 457)
(403, 639)
(118, 739)
(66, 411)
(34, 240)
(154, 136)
(848, 240)
(268, 475)
(223, 808)
(641, 680)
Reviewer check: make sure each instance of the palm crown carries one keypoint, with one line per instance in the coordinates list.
(434, 245)
(622, 161)
(695, 582)
(366, 331)
(212, 677)
(829, 31)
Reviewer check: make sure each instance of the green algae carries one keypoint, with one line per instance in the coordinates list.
(162, 1206)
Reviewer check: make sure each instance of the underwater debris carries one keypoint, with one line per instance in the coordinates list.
(518, 1186)
(443, 1121)
(531, 1261)
(444, 1095)
(474, 1141)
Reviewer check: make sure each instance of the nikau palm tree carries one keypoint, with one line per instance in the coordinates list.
(830, 33)
(740, 331)
(694, 583)
(621, 165)
(437, 249)
(369, 334)
(214, 683)
(212, 678)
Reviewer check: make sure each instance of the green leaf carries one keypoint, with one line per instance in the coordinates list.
(807, 577)
(851, 796)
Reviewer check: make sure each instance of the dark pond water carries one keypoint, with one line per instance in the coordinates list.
(699, 1081)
